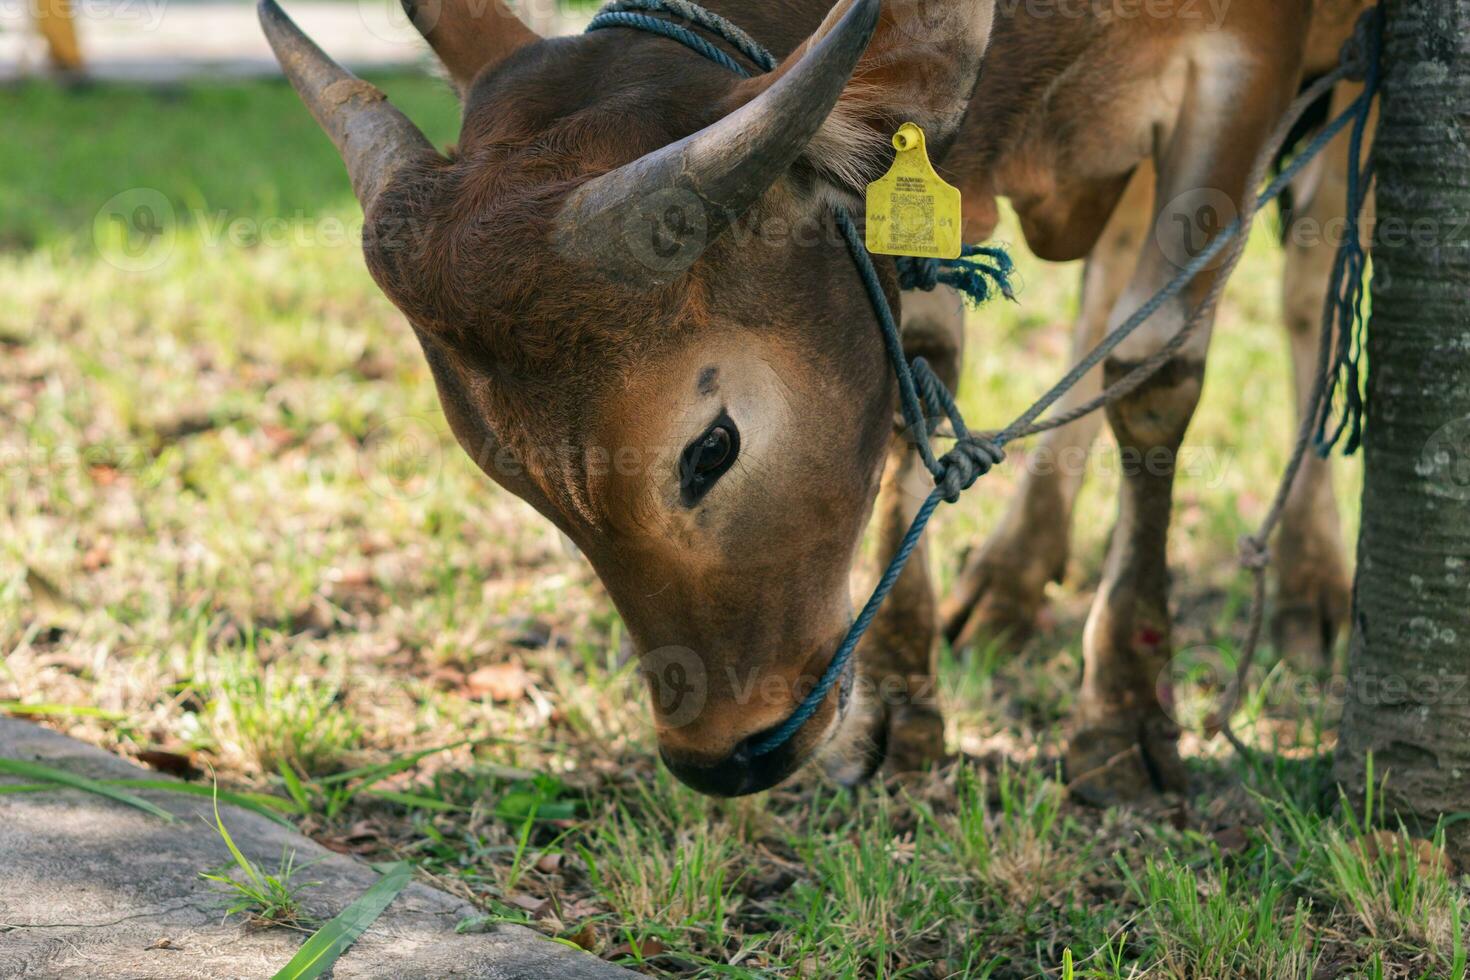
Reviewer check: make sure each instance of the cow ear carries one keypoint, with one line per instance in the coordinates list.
(921, 66)
(469, 35)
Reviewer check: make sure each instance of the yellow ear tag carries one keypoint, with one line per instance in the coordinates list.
(911, 211)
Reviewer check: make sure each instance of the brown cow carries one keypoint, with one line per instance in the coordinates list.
(1110, 134)
(626, 282)
(1002, 586)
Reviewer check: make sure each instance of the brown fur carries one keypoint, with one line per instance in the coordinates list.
(1066, 111)
(546, 369)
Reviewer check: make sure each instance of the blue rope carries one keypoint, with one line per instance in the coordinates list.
(1349, 275)
(1022, 426)
(972, 456)
(726, 31)
(653, 25)
(922, 395)
(968, 274)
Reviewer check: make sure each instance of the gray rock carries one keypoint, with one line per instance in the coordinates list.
(90, 888)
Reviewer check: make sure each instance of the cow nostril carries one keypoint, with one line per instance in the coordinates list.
(743, 771)
(738, 774)
(746, 770)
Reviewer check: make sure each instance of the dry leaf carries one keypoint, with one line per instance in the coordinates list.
(586, 937)
(363, 837)
(364, 830)
(1431, 859)
(647, 949)
(1231, 839)
(356, 577)
(172, 763)
(536, 906)
(579, 909)
(499, 682)
(50, 604)
(279, 437)
(97, 557)
(104, 476)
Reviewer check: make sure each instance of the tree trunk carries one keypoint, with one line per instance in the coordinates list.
(1408, 692)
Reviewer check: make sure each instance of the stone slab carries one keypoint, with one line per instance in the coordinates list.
(89, 887)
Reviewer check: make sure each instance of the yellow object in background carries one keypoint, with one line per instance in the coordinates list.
(54, 21)
(911, 210)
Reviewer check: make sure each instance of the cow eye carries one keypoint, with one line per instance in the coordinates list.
(706, 459)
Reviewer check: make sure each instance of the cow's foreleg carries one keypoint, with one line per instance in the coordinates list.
(898, 715)
(1124, 743)
(1002, 587)
(1312, 578)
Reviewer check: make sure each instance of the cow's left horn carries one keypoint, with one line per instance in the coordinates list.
(648, 220)
(374, 139)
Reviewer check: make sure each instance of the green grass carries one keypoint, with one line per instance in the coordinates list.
(24, 769)
(323, 948)
(269, 898)
(245, 151)
(234, 523)
(1229, 928)
(274, 716)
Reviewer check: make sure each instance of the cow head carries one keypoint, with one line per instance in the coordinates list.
(641, 320)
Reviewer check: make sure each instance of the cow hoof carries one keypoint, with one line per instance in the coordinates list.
(991, 606)
(902, 739)
(1002, 587)
(1124, 767)
(1305, 632)
(915, 739)
(860, 748)
(1006, 622)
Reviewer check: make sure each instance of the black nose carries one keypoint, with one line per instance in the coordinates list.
(745, 771)
(738, 774)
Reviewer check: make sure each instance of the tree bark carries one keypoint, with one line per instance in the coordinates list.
(1408, 691)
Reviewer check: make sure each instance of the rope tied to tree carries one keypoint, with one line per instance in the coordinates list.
(1337, 363)
(923, 397)
(1360, 63)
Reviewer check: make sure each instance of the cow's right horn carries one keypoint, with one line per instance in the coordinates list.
(648, 220)
(374, 139)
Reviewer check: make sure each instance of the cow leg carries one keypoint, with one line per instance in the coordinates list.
(1125, 744)
(1313, 583)
(898, 714)
(1002, 587)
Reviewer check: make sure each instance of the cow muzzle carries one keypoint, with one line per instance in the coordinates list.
(747, 770)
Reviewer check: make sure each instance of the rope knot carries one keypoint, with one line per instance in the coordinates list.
(1254, 554)
(970, 459)
(914, 273)
(969, 274)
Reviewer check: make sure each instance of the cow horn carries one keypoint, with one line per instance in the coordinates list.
(374, 139)
(647, 221)
(469, 35)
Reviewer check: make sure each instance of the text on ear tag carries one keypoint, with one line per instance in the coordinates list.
(911, 210)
